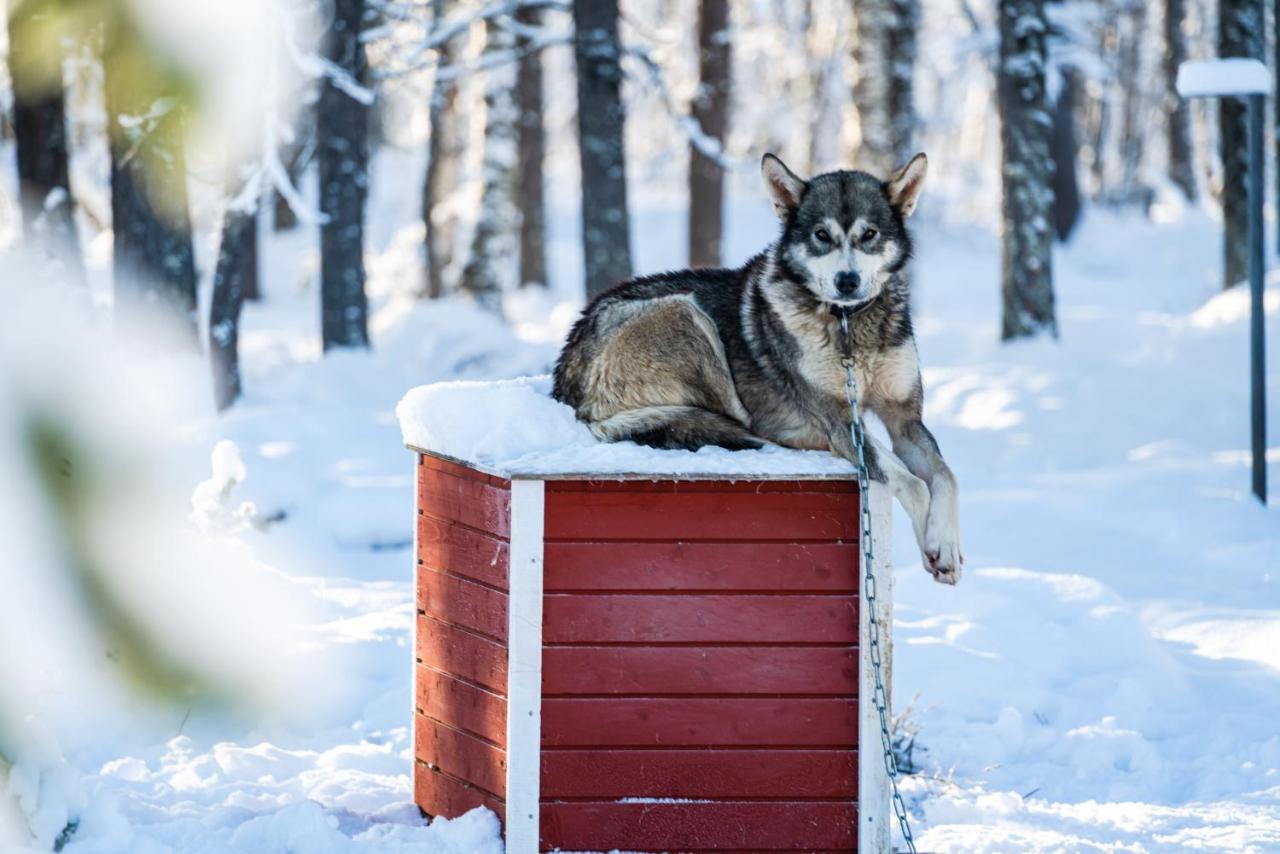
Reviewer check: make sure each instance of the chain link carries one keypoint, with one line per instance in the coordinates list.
(880, 695)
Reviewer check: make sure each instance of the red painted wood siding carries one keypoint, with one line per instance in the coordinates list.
(460, 707)
(700, 657)
(700, 662)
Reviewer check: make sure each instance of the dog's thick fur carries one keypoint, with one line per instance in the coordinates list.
(740, 357)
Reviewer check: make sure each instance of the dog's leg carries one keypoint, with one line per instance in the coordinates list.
(676, 427)
(918, 450)
(884, 467)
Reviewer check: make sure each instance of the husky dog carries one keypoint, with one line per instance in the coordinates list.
(737, 358)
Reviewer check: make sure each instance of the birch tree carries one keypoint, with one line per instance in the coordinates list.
(1028, 300)
(532, 151)
(491, 264)
(40, 136)
(606, 241)
(342, 121)
(711, 111)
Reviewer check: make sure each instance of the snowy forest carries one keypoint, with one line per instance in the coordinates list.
(233, 235)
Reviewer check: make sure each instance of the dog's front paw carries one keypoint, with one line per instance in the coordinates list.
(941, 555)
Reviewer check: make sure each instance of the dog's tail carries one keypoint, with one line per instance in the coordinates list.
(676, 427)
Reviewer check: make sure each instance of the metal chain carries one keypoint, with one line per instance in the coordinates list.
(879, 696)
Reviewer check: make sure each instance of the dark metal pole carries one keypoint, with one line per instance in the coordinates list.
(1257, 269)
(1275, 63)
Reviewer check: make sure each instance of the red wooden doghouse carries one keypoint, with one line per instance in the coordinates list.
(646, 663)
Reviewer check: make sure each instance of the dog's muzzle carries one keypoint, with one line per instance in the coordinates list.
(847, 284)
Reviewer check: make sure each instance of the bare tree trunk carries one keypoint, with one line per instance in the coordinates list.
(1240, 35)
(444, 153)
(491, 265)
(154, 268)
(533, 237)
(902, 58)
(283, 217)
(40, 134)
(1028, 301)
(711, 110)
(1132, 132)
(1178, 115)
(606, 241)
(871, 86)
(342, 127)
(237, 268)
(883, 92)
(1066, 150)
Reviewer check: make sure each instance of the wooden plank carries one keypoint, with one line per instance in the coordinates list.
(874, 820)
(473, 657)
(658, 671)
(751, 825)
(693, 721)
(792, 774)
(459, 754)
(452, 599)
(438, 794)
(453, 548)
(524, 675)
(697, 618)
(473, 503)
(461, 705)
(829, 567)
(679, 512)
(460, 469)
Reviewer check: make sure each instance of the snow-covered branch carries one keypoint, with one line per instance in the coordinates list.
(706, 145)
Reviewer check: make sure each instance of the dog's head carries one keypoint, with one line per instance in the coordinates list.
(844, 234)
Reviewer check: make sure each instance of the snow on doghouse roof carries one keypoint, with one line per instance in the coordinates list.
(513, 428)
(1231, 76)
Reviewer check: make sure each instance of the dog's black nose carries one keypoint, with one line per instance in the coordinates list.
(847, 283)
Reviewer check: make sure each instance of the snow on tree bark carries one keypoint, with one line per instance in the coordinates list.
(445, 150)
(40, 136)
(237, 269)
(342, 124)
(884, 50)
(491, 264)
(153, 267)
(531, 191)
(711, 111)
(1240, 34)
(1065, 152)
(606, 242)
(1177, 111)
(1028, 300)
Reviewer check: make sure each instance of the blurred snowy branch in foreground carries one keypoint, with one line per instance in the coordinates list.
(115, 605)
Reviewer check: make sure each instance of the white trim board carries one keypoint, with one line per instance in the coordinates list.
(874, 833)
(524, 665)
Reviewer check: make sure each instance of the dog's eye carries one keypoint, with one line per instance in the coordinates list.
(869, 235)
(822, 235)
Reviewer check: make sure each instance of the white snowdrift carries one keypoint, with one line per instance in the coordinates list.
(515, 428)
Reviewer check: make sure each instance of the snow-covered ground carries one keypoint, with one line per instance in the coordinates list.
(1106, 677)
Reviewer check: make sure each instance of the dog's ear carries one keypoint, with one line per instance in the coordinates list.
(905, 185)
(784, 186)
